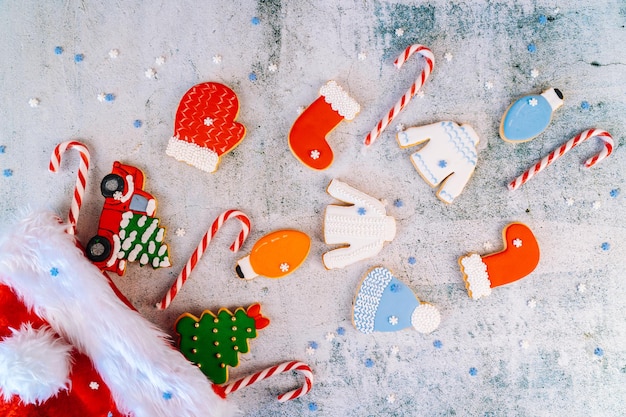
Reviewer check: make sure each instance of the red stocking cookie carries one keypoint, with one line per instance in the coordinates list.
(519, 258)
(205, 126)
(307, 138)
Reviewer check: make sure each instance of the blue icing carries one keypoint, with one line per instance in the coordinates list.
(397, 300)
(420, 164)
(523, 121)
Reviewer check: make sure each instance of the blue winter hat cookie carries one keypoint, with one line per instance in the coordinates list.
(527, 117)
(385, 304)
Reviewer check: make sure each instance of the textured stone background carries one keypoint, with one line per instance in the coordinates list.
(551, 344)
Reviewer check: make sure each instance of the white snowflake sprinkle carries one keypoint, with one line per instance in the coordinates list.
(557, 10)
(448, 56)
(94, 385)
(569, 201)
(533, 102)
(488, 245)
(114, 53)
(330, 336)
(208, 121)
(33, 102)
(400, 127)
(488, 85)
(310, 351)
(596, 205)
(419, 94)
(517, 242)
(102, 97)
(315, 154)
(532, 303)
(393, 320)
(150, 73)
(394, 350)
(399, 32)
(524, 344)
(284, 267)
(534, 73)
(300, 110)
(160, 60)
(272, 67)
(217, 59)
(118, 194)
(391, 398)
(581, 287)
(180, 232)
(362, 56)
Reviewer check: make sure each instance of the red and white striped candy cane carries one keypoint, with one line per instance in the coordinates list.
(301, 367)
(428, 56)
(206, 239)
(81, 180)
(557, 153)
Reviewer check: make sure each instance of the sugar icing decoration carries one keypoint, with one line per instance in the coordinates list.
(58, 50)
(34, 102)
(127, 230)
(448, 158)
(518, 259)
(79, 58)
(529, 116)
(214, 342)
(275, 255)
(196, 143)
(378, 308)
(307, 137)
(363, 225)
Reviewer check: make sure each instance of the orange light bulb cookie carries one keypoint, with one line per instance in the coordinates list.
(275, 255)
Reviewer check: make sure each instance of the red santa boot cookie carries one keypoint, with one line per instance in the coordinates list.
(519, 258)
(307, 138)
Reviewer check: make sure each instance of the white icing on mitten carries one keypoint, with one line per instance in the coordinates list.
(449, 157)
(364, 226)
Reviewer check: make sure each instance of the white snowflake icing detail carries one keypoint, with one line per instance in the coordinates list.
(581, 287)
(33, 102)
(399, 32)
(534, 73)
(284, 267)
(330, 336)
(217, 59)
(208, 121)
(118, 195)
(150, 73)
(532, 303)
(400, 127)
(94, 385)
(391, 398)
(114, 53)
(362, 56)
(517, 242)
(180, 232)
(272, 67)
(310, 351)
(393, 320)
(448, 56)
(532, 102)
(315, 154)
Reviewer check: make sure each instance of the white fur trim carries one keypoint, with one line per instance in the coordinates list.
(34, 364)
(146, 376)
(425, 318)
(339, 100)
(476, 276)
(202, 158)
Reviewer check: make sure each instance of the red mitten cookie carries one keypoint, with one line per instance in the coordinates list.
(205, 126)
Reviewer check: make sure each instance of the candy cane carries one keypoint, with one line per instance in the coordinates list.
(557, 153)
(81, 180)
(206, 239)
(404, 100)
(301, 367)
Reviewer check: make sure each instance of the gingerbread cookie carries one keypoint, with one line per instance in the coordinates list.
(449, 157)
(363, 225)
(385, 304)
(205, 127)
(275, 255)
(519, 258)
(307, 138)
(213, 342)
(128, 229)
(527, 117)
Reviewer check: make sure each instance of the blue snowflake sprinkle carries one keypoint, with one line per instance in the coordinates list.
(7, 173)
(361, 211)
(473, 371)
(109, 97)
(3, 149)
(437, 344)
(313, 345)
(137, 123)
(252, 76)
(313, 407)
(598, 351)
(585, 105)
(167, 395)
(79, 57)
(398, 203)
(543, 19)
(54, 272)
(605, 246)
(58, 50)
(394, 287)
(369, 363)
(532, 48)
(255, 20)
(341, 331)
(442, 164)
(614, 193)
(412, 260)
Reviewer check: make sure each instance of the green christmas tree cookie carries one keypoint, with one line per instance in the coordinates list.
(214, 342)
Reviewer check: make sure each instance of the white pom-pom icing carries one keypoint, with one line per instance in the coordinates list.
(34, 364)
(339, 100)
(476, 276)
(425, 318)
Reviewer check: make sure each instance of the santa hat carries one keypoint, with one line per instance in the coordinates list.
(205, 126)
(70, 346)
(519, 258)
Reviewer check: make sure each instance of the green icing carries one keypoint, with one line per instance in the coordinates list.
(142, 240)
(213, 359)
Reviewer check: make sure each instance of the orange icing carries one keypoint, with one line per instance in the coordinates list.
(280, 253)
